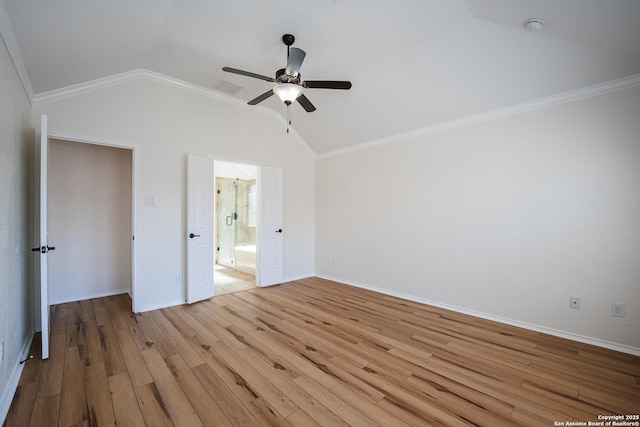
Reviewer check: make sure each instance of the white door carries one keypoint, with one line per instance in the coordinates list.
(40, 224)
(270, 249)
(199, 228)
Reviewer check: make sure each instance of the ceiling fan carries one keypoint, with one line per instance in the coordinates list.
(289, 84)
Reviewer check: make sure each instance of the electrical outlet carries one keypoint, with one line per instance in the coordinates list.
(574, 302)
(617, 309)
(334, 261)
(178, 277)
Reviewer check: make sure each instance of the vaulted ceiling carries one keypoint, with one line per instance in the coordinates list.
(413, 63)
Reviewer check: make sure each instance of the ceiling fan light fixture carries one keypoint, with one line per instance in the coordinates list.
(287, 92)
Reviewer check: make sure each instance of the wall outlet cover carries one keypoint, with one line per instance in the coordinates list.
(617, 309)
(574, 302)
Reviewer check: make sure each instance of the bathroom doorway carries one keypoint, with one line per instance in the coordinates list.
(235, 226)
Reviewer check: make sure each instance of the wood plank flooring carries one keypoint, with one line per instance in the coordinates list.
(312, 353)
(227, 280)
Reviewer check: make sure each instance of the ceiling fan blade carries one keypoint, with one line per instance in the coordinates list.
(248, 74)
(261, 98)
(294, 61)
(327, 84)
(306, 104)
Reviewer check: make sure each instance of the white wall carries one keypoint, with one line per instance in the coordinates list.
(168, 122)
(508, 218)
(16, 136)
(89, 221)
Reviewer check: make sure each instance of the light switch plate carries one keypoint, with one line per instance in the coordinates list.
(150, 200)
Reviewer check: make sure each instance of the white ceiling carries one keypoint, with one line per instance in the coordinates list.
(413, 63)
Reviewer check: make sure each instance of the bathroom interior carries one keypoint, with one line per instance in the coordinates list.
(235, 228)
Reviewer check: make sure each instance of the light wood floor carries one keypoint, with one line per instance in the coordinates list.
(307, 353)
(227, 280)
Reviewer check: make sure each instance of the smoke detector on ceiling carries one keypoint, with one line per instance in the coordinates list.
(534, 24)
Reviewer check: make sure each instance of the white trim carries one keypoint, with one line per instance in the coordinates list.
(529, 326)
(116, 79)
(128, 76)
(91, 140)
(84, 297)
(12, 384)
(8, 35)
(524, 107)
(301, 277)
(135, 179)
(236, 160)
(159, 306)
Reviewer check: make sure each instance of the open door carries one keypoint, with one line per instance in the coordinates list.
(40, 225)
(270, 249)
(199, 228)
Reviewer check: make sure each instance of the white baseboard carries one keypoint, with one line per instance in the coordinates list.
(12, 385)
(532, 327)
(294, 278)
(161, 305)
(86, 297)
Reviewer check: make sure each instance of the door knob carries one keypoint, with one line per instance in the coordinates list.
(191, 236)
(43, 249)
(279, 230)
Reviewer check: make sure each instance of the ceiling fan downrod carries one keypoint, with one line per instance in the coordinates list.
(288, 39)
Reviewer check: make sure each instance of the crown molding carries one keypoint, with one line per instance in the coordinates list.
(128, 76)
(8, 36)
(117, 79)
(528, 106)
(536, 104)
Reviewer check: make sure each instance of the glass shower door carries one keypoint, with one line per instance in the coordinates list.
(227, 216)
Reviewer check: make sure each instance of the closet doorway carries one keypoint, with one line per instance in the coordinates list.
(236, 219)
(90, 220)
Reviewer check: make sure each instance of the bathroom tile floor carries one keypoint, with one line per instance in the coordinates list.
(227, 280)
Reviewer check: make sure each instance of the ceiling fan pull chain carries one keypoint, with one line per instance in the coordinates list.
(288, 117)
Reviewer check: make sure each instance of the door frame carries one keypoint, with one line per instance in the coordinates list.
(135, 167)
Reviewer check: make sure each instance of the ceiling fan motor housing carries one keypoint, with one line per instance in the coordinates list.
(283, 77)
(288, 39)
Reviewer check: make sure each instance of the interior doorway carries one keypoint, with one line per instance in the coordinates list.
(236, 226)
(90, 220)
